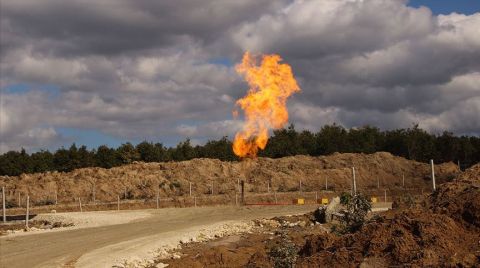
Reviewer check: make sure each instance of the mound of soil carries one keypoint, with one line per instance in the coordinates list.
(460, 199)
(414, 237)
(142, 180)
(444, 233)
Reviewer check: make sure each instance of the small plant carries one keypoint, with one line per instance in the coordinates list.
(284, 254)
(345, 198)
(357, 208)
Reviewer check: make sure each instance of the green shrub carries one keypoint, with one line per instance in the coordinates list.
(284, 254)
(357, 208)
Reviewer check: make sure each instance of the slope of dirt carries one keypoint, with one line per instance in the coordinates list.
(460, 199)
(412, 237)
(141, 180)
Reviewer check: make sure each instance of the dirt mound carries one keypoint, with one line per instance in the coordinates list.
(142, 180)
(460, 199)
(414, 237)
(444, 233)
(472, 174)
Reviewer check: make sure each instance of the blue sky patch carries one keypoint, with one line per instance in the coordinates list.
(445, 7)
(90, 137)
(23, 88)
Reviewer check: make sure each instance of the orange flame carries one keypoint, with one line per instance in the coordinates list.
(271, 83)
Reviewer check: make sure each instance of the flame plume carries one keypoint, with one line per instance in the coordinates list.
(271, 83)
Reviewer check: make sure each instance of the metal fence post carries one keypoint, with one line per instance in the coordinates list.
(3, 205)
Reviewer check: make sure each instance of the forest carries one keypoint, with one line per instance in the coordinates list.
(412, 143)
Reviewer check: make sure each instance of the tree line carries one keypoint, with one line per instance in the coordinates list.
(412, 143)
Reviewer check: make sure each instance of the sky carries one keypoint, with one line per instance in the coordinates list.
(112, 71)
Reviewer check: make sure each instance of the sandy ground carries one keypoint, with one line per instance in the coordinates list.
(80, 220)
(136, 235)
(142, 251)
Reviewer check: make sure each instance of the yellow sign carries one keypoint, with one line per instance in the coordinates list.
(299, 201)
(324, 201)
(374, 200)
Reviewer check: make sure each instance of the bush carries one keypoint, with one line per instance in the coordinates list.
(284, 254)
(357, 208)
(345, 198)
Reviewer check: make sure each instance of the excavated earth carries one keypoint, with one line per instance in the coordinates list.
(439, 230)
(142, 180)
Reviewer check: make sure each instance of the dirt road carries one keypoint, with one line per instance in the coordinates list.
(63, 249)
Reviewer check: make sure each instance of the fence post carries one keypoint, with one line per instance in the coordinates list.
(94, 192)
(190, 187)
(158, 198)
(316, 197)
(19, 200)
(118, 202)
(28, 212)
(195, 201)
(56, 197)
(80, 204)
(275, 194)
(3, 205)
(243, 193)
(385, 192)
(403, 180)
(433, 174)
(354, 181)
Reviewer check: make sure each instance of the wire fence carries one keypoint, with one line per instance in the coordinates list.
(269, 197)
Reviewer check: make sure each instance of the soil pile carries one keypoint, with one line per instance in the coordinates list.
(142, 180)
(446, 234)
(413, 237)
(460, 199)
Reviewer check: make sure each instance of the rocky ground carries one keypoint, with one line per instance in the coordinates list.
(441, 229)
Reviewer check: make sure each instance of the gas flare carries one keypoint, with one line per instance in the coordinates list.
(271, 83)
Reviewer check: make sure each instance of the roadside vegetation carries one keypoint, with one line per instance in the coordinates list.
(412, 143)
(357, 207)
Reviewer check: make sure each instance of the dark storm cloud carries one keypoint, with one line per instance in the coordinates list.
(111, 27)
(161, 69)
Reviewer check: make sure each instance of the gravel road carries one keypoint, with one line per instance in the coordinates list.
(65, 248)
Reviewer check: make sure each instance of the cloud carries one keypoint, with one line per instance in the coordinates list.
(150, 70)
